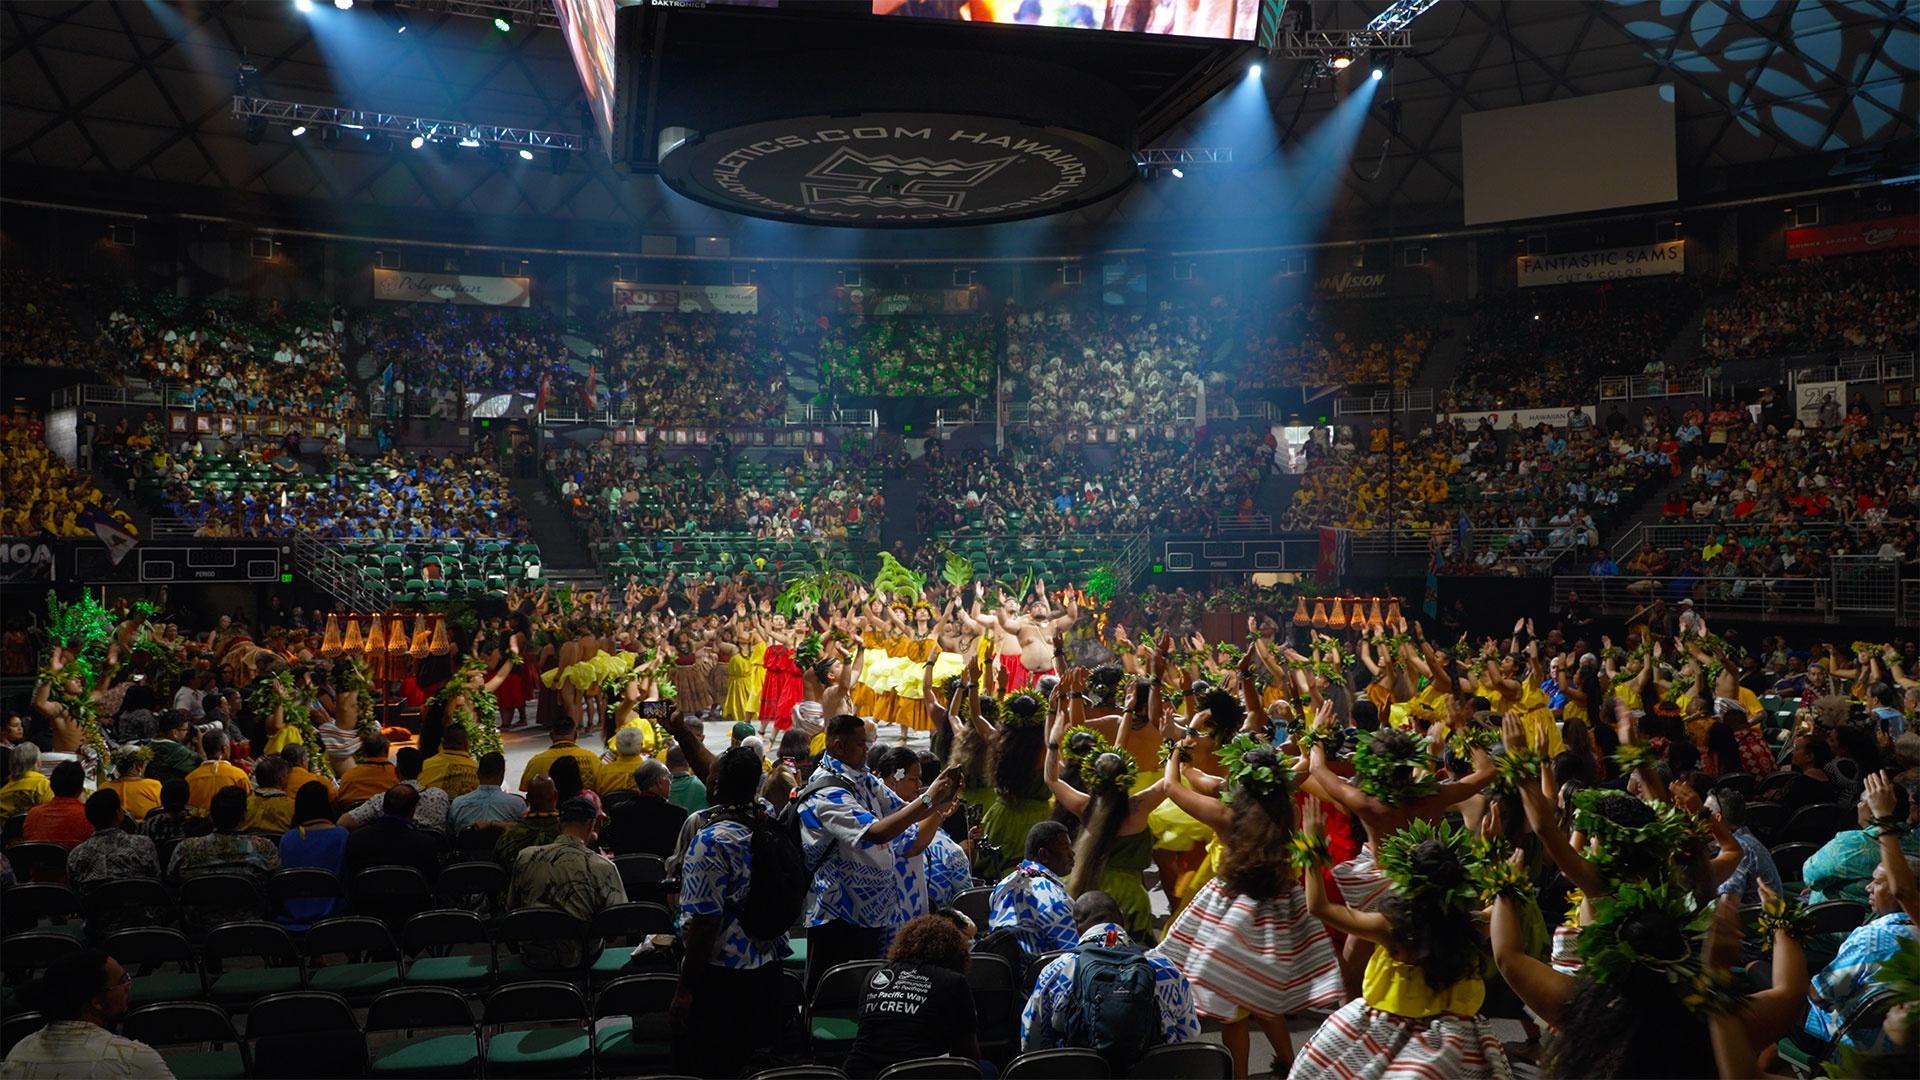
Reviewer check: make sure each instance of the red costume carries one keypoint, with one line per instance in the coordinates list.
(782, 689)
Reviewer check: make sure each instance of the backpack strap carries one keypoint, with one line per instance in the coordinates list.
(814, 787)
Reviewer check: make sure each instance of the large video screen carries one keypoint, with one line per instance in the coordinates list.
(588, 27)
(1233, 20)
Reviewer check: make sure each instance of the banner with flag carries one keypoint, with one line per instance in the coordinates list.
(589, 393)
(546, 387)
(117, 539)
(1333, 555)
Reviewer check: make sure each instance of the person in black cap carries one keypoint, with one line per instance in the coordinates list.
(569, 876)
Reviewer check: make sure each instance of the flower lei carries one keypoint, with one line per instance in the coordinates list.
(279, 691)
(1783, 914)
(1514, 770)
(1393, 780)
(1607, 957)
(1309, 851)
(1261, 780)
(1011, 717)
(1396, 862)
(1665, 834)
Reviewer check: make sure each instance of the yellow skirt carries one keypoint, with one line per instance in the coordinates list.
(1176, 830)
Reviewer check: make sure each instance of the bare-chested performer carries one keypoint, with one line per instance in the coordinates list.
(1022, 641)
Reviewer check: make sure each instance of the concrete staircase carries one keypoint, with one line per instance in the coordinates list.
(1448, 355)
(552, 528)
(1685, 344)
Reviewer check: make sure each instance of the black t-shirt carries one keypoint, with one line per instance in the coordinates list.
(912, 1010)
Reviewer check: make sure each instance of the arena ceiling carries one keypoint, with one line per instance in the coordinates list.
(129, 104)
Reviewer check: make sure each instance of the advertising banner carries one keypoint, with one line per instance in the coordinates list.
(717, 299)
(1641, 260)
(1853, 237)
(859, 300)
(411, 288)
(1820, 404)
(1561, 416)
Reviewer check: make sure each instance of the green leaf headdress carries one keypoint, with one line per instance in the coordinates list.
(1089, 750)
(1393, 779)
(1630, 852)
(1654, 928)
(1255, 767)
(1396, 855)
(1022, 708)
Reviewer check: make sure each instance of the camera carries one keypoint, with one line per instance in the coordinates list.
(656, 710)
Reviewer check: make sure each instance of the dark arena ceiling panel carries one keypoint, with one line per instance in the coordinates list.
(130, 104)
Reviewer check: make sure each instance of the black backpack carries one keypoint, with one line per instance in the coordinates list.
(781, 879)
(1112, 1009)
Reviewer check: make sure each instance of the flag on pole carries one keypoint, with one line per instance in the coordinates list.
(587, 393)
(546, 387)
(111, 533)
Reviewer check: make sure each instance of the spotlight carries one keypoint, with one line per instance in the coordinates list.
(304, 7)
(471, 138)
(1342, 59)
(417, 142)
(1178, 174)
(299, 130)
(1254, 71)
(503, 23)
(343, 5)
(1379, 73)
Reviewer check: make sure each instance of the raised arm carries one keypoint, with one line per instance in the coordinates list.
(1543, 989)
(1366, 924)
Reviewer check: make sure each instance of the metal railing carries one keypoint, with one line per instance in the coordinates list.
(1243, 525)
(1864, 585)
(831, 416)
(1694, 536)
(1642, 387)
(1402, 542)
(1877, 367)
(323, 565)
(1131, 560)
(1419, 399)
(1800, 598)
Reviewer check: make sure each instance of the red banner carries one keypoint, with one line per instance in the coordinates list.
(1855, 236)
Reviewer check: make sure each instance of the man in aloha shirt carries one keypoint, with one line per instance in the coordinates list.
(1043, 1023)
(1032, 900)
(1842, 994)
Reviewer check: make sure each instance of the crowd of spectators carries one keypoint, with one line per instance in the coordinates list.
(234, 353)
(1866, 301)
(1542, 347)
(41, 494)
(1160, 481)
(42, 331)
(617, 492)
(693, 369)
(439, 351)
(1078, 366)
(905, 355)
(392, 497)
(1351, 344)
(1538, 489)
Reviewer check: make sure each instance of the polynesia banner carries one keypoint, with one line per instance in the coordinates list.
(1641, 260)
(718, 299)
(1853, 237)
(1526, 418)
(414, 288)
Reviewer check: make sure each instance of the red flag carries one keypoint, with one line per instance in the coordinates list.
(546, 387)
(587, 393)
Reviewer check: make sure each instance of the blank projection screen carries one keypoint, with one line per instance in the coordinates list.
(1571, 156)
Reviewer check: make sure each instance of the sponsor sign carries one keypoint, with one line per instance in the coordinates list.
(1353, 285)
(410, 288)
(26, 561)
(1526, 418)
(1853, 237)
(1820, 404)
(896, 169)
(863, 301)
(1641, 260)
(720, 299)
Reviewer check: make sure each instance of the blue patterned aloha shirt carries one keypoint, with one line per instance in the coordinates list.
(713, 881)
(948, 872)
(1043, 1024)
(858, 882)
(1033, 903)
(1841, 994)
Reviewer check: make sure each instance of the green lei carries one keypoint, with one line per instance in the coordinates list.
(1393, 780)
(1493, 874)
(79, 706)
(1513, 770)
(1083, 746)
(481, 714)
(1396, 862)
(1665, 835)
(279, 691)
(354, 680)
(1608, 958)
(1012, 719)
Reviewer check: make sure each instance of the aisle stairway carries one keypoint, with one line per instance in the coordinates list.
(552, 529)
(1448, 355)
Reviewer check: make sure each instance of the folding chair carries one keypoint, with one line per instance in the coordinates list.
(630, 1019)
(392, 894)
(150, 948)
(430, 939)
(280, 970)
(1063, 1064)
(620, 929)
(300, 896)
(933, 1068)
(411, 1010)
(1186, 1061)
(126, 903)
(996, 1006)
(548, 933)
(38, 860)
(209, 900)
(561, 1044)
(28, 905)
(976, 904)
(219, 1053)
(833, 1014)
(306, 1034)
(371, 961)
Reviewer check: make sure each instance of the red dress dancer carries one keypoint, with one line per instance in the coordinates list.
(782, 689)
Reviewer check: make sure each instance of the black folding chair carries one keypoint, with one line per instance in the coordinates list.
(630, 1018)
(306, 1034)
(538, 1029)
(369, 959)
(411, 1010)
(441, 947)
(151, 948)
(217, 1050)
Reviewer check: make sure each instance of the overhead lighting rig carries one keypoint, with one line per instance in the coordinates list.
(1175, 160)
(416, 131)
(1333, 51)
(504, 14)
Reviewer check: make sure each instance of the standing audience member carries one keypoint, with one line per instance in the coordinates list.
(84, 994)
(568, 876)
(724, 964)
(63, 819)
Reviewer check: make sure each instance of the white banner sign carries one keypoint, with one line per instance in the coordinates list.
(1526, 418)
(1646, 260)
(1820, 404)
(722, 299)
(412, 288)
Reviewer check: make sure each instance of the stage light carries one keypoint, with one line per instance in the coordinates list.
(1341, 60)
(417, 142)
(304, 7)
(471, 138)
(503, 23)
(526, 155)
(299, 130)
(343, 5)
(1177, 174)
(1254, 71)
(1379, 73)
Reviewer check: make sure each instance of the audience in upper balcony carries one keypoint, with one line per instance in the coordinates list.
(234, 352)
(905, 355)
(43, 330)
(1087, 366)
(438, 351)
(40, 494)
(1865, 302)
(692, 369)
(1350, 344)
(1550, 346)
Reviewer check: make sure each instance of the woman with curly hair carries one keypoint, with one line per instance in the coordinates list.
(918, 1004)
(1419, 1009)
(1115, 846)
(1246, 942)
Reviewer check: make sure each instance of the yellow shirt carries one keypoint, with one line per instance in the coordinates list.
(209, 778)
(298, 776)
(452, 771)
(21, 795)
(268, 811)
(1399, 988)
(617, 775)
(542, 763)
(280, 740)
(365, 780)
(138, 798)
